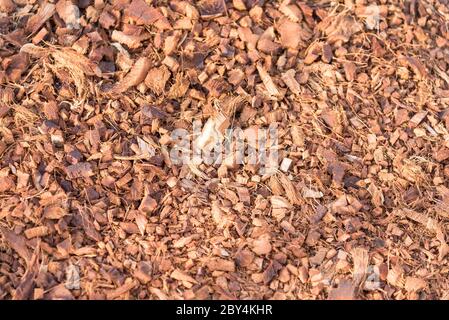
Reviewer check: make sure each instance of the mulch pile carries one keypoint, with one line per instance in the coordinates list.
(92, 206)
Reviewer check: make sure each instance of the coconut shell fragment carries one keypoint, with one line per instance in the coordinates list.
(43, 14)
(134, 77)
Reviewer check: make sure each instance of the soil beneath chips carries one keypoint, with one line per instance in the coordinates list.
(93, 204)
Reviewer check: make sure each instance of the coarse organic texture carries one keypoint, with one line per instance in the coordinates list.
(92, 205)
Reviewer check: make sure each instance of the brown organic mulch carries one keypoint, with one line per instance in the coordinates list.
(93, 207)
